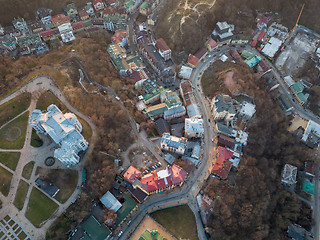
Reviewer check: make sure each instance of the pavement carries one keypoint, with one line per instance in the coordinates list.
(36, 87)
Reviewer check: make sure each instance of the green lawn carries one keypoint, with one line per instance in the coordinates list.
(21, 194)
(10, 159)
(65, 180)
(14, 107)
(13, 135)
(47, 99)
(35, 139)
(40, 207)
(27, 170)
(5, 181)
(179, 221)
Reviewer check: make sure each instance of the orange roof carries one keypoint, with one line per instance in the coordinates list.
(222, 165)
(60, 18)
(131, 174)
(193, 60)
(178, 174)
(119, 36)
(212, 43)
(161, 44)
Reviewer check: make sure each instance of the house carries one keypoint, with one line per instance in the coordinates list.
(47, 35)
(185, 89)
(138, 194)
(192, 61)
(114, 22)
(31, 39)
(144, 8)
(162, 126)
(185, 72)
(173, 144)
(41, 48)
(60, 19)
(234, 53)
(64, 130)
(152, 19)
(170, 98)
(211, 44)
(132, 5)
(1, 30)
(169, 158)
(120, 37)
(35, 27)
(310, 168)
(71, 10)
(111, 3)
(9, 43)
(224, 129)
(77, 26)
(225, 141)
(24, 50)
(131, 174)
(89, 9)
(289, 174)
(156, 110)
(221, 164)
(98, 5)
(20, 24)
(193, 127)
(66, 32)
(223, 32)
(110, 202)
(163, 49)
(174, 112)
(193, 110)
(201, 54)
(298, 91)
(47, 187)
(83, 15)
(92, 229)
(44, 15)
(247, 110)
(222, 108)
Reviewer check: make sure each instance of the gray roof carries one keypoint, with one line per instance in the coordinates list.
(221, 128)
(224, 103)
(193, 110)
(289, 174)
(169, 158)
(110, 202)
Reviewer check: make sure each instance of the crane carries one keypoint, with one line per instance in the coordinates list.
(294, 28)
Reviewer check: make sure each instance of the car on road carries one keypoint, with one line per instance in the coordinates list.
(129, 222)
(120, 233)
(117, 98)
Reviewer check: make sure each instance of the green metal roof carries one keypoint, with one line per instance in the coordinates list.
(129, 4)
(87, 23)
(95, 230)
(302, 97)
(246, 54)
(144, 5)
(297, 87)
(308, 187)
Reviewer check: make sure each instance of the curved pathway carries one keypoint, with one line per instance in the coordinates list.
(36, 87)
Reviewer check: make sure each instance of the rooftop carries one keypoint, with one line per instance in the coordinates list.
(131, 174)
(289, 174)
(222, 165)
(162, 45)
(110, 202)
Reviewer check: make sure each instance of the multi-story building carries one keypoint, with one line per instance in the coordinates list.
(222, 108)
(174, 112)
(66, 32)
(163, 49)
(60, 19)
(89, 9)
(223, 32)
(193, 127)
(64, 129)
(98, 5)
(71, 10)
(44, 15)
(20, 24)
(173, 144)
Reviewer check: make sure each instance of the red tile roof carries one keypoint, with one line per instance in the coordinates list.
(83, 13)
(263, 20)
(108, 11)
(254, 43)
(47, 34)
(193, 60)
(185, 88)
(77, 25)
(96, 2)
(60, 18)
(222, 165)
(212, 43)
(131, 174)
(118, 36)
(178, 174)
(111, 2)
(234, 53)
(200, 53)
(261, 35)
(161, 44)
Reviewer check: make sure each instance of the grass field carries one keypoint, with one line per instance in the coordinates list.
(27, 170)
(21, 194)
(179, 221)
(13, 135)
(65, 180)
(14, 107)
(47, 99)
(35, 139)
(10, 159)
(40, 207)
(5, 181)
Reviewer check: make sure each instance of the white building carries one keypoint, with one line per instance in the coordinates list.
(289, 174)
(272, 47)
(185, 72)
(66, 32)
(64, 129)
(247, 110)
(173, 144)
(193, 127)
(222, 108)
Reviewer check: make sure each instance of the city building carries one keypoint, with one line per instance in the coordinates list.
(174, 112)
(169, 158)
(35, 26)
(163, 49)
(223, 32)
(193, 110)
(120, 37)
(185, 89)
(192, 61)
(156, 110)
(297, 232)
(98, 5)
(223, 109)
(89, 9)
(64, 130)
(60, 19)
(289, 174)
(185, 72)
(44, 15)
(170, 98)
(110, 202)
(66, 32)
(247, 110)
(83, 15)
(298, 90)
(162, 126)
(272, 47)
(131, 174)
(221, 164)
(193, 128)
(211, 44)
(173, 144)
(71, 10)
(20, 24)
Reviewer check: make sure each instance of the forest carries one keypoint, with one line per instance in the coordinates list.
(185, 29)
(256, 205)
